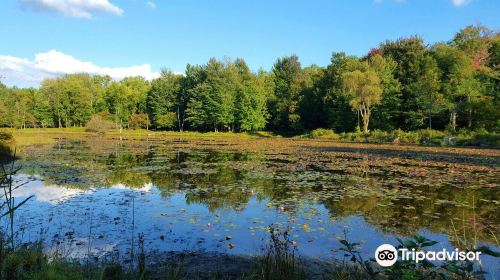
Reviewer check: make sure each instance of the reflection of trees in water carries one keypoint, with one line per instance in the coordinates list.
(215, 180)
(442, 209)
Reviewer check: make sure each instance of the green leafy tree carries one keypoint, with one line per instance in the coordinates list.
(366, 90)
(409, 54)
(428, 89)
(162, 100)
(138, 89)
(211, 102)
(337, 110)
(385, 116)
(118, 103)
(251, 98)
(288, 80)
(460, 87)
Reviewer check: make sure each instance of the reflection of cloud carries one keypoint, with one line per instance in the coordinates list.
(54, 194)
(50, 194)
(146, 188)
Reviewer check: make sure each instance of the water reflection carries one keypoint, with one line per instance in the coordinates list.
(191, 199)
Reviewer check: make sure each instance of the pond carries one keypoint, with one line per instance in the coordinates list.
(96, 197)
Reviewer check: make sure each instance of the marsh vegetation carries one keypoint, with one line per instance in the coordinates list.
(201, 205)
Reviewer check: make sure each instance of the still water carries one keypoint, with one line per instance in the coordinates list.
(96, 199)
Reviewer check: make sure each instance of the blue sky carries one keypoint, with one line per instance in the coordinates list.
(103, 36)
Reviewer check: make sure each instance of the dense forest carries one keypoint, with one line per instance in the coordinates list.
(403, 84)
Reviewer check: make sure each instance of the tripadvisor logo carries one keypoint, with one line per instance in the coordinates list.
(387, 255)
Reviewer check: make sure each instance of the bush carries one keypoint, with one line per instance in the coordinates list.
(139, 121)
(100, 123)
(380, 136)
(420, 137)
(479, 137)
(5, 136)
(322, 133)
(429, 136)
(5, 151)
(423, 136)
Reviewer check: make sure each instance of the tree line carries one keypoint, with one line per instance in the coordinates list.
(402, 84)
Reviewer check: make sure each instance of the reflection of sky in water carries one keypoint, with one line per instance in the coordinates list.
(64, 216)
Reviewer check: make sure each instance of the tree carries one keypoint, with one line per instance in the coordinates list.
(211, 103)
(162, 100)
(311, 106)
(428, 88)
(78, 96)
(118, 103)
(385, 116)
(475, 42)
(251, 98)
(138, 89)
(366, 90)
(460, 87)
(336, 110)
(288, 80)
(456, 83)
(51, 89)
(201, 107)
(481, 45)
(70, 98)
(408, 53)
(4, 116)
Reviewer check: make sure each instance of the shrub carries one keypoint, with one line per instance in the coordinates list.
(5, 136)
(5, 151)
(322, 133)
(379, 136)
(479, 137)
(100, 123)
(139, 121)
(353, 136)
(429, 136)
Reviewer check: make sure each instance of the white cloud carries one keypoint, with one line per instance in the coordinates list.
(150, 4)
(72, 8)
(458, 3)
(22, 71)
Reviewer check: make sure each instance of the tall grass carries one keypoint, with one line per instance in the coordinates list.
(280, 260)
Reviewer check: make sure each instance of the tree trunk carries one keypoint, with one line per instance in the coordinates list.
(366, 121)
(179, 118)
(430, 120)
(470, 119)
(469, 115)
(453, 120)
(365, 116)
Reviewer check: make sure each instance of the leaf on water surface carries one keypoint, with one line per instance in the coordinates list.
(429, 243)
